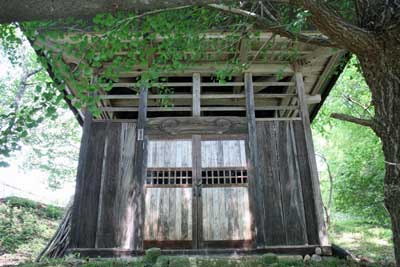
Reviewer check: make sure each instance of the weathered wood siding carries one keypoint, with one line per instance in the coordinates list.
(87, 193)
(116, 219)
(286, 201)
(169, 153)
(225, 207)
(108, 210)
(226, 214)
(168, 211)
(105, 213)
(168, 214)
(223, 153)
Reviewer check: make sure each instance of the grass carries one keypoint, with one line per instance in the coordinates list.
(364, 240)
(25, 228)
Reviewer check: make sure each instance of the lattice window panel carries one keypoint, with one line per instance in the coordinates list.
(169, 177)
(224, 176)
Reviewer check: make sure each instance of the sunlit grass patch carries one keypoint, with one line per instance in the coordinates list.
(362, 239)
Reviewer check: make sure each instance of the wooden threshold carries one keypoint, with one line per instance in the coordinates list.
(116, 252)
(170, 244)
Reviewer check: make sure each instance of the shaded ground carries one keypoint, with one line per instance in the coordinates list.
(362, 239)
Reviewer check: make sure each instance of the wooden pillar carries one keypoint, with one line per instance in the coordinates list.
(196, 105)
(252, 164)
(196, 158)
(139, 171)
(322, 234)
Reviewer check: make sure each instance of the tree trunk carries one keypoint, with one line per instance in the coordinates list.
(381, 67)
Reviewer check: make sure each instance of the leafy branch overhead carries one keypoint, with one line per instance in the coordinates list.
(110, 44)
(28, 97)
(154, 39)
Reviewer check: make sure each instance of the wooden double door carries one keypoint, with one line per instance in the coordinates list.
(196, 193)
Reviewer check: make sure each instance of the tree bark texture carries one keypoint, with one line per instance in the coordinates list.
(376, 42)
(381, 68)
(30, 10)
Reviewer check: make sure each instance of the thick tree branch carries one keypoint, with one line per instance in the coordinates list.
(269, 24)
(30, 10)
(359, 121)
(353, 38)
(39, 10)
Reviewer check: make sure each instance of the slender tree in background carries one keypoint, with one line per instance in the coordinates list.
(29, 106)
(368, 28)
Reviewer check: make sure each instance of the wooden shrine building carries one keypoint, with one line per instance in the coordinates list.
(226, 167)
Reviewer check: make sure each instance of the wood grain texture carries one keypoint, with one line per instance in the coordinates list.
(80, 181)
(139, 172)
(196, 125)
(292, 197)
(196, 92)
(116, 216)
(168, 210)
(168, 214)
(269, 218)
(89, 182)
(197, 227)
(223, 153)
(224, 210)
(255, 189)
(226, 214)
(307, 186)
(169, 153)
(287, 206)
(304, 114)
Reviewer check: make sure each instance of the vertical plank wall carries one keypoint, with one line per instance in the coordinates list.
(85, 209)
(225, 210)
(168, 209)
(104, 212)
(116, 207)
(286, 204)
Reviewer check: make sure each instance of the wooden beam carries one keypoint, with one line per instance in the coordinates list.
(212, 68)
(326, 73)
(273, 84)
(139, 170)
(118, 252)
(205, 84)
(196, 125)
(215, 108)
(318, 54)
(313, 99)
(134, 109)
(196, 91)
(197, 225)
(279, 119)
(253, 165)
(323, 238)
